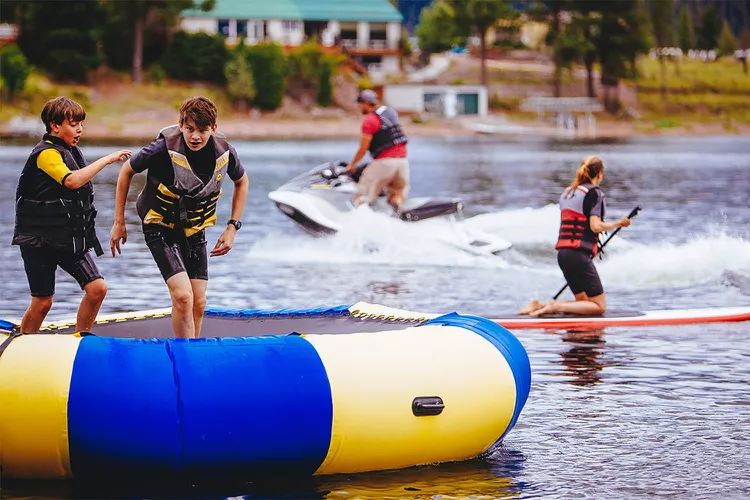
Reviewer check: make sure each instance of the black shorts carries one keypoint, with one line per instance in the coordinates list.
(579, 271)
(41, 264)
(173, 256)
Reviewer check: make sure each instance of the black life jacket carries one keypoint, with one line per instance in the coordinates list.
(189, 203)
(575, 230)
(49, 215)
(390, 133)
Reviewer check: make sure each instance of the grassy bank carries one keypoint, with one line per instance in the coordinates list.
(696, 92)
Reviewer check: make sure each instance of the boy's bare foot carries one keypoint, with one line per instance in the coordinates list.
(532, 306)
(547, 308)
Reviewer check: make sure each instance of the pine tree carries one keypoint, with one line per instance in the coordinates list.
(686, 30)
(727, 41)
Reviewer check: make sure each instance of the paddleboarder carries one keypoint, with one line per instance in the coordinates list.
(582, 210)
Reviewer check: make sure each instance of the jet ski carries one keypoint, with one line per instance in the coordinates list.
(317, 201)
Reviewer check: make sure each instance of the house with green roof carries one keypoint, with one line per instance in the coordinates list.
(367, 30)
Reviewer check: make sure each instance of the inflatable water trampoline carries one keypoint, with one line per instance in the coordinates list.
(298, 392)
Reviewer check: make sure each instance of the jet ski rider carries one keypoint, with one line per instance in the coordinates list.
(384, 138)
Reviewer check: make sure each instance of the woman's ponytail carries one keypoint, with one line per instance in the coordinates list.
(590, 167)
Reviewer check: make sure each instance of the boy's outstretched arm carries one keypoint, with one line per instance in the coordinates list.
(226, 240)
(119, 232)
(78, 178)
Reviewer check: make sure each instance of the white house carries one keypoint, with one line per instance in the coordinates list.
(368, 30)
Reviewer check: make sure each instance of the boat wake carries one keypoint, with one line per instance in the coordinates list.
(715, 256)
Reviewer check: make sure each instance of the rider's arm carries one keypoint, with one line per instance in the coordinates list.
(364, 144)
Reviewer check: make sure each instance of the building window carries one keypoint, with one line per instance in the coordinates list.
(242, 28)
(224, 27)
(292, 26)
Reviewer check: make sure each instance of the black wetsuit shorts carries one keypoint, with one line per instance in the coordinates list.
(41, 264)
(579, 271)
(174, 253)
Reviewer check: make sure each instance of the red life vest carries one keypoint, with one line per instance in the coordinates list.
(575, 230)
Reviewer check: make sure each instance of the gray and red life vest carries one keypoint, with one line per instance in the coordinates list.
(189, 203)
(575, 230)
(390, 133)
(50, 215)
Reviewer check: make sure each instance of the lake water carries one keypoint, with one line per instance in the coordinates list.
(614, 413)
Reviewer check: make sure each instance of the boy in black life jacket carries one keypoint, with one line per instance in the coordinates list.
(55, 215)
(186, 166)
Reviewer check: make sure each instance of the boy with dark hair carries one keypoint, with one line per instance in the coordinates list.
(55, 215)
(186, 165)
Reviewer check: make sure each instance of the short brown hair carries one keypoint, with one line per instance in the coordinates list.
(200, 110)
(59, 109)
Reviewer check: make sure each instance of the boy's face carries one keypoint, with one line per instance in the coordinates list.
(196, 138)
(68, 131)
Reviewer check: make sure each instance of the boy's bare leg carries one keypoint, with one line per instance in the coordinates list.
(182, 305)
(199, 303)
(95, 292)
(35, 314)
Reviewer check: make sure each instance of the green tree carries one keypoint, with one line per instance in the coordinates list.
(561, 47)
(478, 17)
(662, 17)
(15, 69)
(239, 76)
(623, 36)
(437, 30)
(137, 12)
(710, 28)
(686, 31)
(578, 43)
(63, 40)
(196, 56)
(727, 41)
(268, 63)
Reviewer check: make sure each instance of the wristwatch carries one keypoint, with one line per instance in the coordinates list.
(237, 224)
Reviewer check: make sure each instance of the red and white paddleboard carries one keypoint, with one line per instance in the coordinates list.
(628, 318)
(563, 321)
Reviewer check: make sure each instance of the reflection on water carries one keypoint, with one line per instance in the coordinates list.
(494, 476)
(583, 359)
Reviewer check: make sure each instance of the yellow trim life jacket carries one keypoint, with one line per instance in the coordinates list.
(188, 203)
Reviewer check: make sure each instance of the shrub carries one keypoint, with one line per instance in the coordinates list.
(196, 56)
(239, 75)
(268, 65)
(73, 55)
(303, 63)
(364, 83)
(15, 69)
(156, 74)
(325, 86)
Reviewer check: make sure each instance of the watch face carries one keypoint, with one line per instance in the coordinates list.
(237, 224)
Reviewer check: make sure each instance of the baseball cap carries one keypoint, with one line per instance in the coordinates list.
(368, 96)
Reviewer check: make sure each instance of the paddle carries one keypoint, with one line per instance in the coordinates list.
(632, 214)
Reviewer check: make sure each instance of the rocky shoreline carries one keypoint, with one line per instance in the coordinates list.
(347, 127)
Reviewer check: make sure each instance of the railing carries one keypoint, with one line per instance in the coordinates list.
(562, 104)
(371, 44)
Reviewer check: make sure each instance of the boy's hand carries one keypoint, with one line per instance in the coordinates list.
(117, 233)
(121, 155)
(226, 240)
